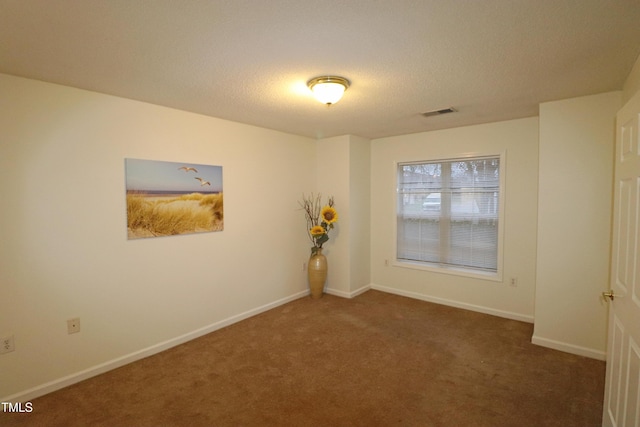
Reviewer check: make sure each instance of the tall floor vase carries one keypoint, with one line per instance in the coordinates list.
(317, 273)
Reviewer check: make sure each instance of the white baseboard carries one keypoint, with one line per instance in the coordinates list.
(68, 380)
(349, 295)
(570, 348)
(457, 304)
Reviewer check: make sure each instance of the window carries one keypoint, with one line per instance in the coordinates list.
(449, 212)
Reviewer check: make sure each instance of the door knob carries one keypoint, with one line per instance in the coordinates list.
(608, 294)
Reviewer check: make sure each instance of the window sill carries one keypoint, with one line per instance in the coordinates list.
(434, 268)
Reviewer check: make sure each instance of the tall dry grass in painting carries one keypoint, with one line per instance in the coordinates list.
(149, 216)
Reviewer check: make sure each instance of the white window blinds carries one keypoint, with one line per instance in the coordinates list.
(448, 212)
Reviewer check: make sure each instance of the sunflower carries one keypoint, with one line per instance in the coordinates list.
(319, 219)
(317, 231)
(329, 215)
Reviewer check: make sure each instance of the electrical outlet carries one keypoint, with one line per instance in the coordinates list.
(514, 282)
(7, 345)
(73, 325)
(386, 263)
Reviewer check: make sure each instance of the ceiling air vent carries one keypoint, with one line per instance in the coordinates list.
(439, 112)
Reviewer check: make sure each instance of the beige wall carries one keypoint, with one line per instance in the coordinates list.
(343, 172)
(360, 214)
(518, 139)
(332, 158)
(65, 252)
(632, 84)
(577, 139)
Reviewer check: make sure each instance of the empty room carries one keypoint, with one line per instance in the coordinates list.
(287, 213)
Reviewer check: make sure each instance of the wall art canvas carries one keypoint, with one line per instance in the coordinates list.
(169, 198)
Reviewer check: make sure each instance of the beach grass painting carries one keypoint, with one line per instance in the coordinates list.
(169, 198)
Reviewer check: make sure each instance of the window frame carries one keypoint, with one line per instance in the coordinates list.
(496, 276)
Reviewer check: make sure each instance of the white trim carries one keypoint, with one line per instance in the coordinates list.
(349, 295)
(570, 348)
(472, 307)
(443, 269)
(68, 380)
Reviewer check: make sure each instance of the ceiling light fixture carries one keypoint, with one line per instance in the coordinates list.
(328, 89)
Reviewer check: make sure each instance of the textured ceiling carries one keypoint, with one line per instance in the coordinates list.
(248, 61)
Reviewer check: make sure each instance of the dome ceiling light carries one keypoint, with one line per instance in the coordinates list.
(328, 89)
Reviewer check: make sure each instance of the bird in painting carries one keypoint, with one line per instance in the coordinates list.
(203, 182)
(187, 169)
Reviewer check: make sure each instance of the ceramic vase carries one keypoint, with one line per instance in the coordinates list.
(317, 273)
